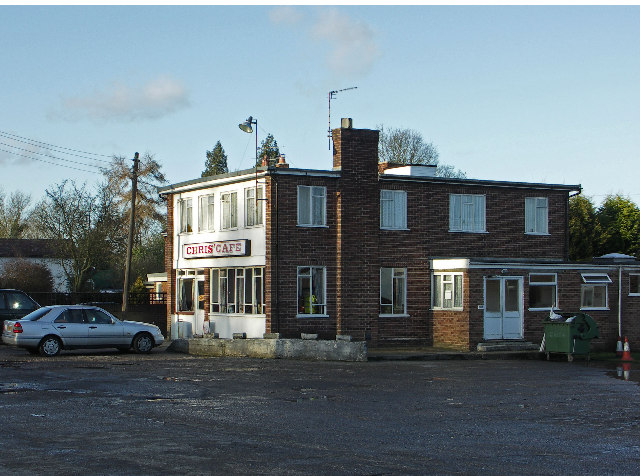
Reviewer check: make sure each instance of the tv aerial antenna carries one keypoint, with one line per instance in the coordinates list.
(332, 95)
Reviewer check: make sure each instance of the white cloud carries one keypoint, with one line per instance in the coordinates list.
(121, 102)
(354, 48)
(285, 15)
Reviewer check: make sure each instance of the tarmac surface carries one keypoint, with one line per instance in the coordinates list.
(103, 412)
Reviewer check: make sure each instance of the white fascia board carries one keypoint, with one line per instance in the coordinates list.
(437, 264)
(187, 187)
(551, 267)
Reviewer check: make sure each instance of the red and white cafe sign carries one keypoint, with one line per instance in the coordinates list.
(216, 249)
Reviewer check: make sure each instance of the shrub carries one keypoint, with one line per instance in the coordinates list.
(27, 276)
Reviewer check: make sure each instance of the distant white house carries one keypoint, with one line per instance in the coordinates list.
(35, 251)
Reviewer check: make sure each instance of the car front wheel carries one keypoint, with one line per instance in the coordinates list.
(142, 344)
(50, 346)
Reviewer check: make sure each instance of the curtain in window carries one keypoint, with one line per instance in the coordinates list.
(318, 205)
(304, 205)
(455, 212)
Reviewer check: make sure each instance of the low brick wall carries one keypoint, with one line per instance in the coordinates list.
(298, 349)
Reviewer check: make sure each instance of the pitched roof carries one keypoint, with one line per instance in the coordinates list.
(27, 248)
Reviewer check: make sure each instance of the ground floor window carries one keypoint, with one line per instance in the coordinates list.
(447, 291)
(393, 291)
(634, 285)
(594, 293)
(237, 290)
(543, 291)
(312, 286)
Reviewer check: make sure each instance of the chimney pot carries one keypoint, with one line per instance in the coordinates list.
(346, 123)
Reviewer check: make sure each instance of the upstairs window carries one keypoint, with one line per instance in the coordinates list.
(185, 207)
(229, 206)
(205, 221)
(312, 204)
(467, 213)
(393, 209)
(536, 215)
(252, 207)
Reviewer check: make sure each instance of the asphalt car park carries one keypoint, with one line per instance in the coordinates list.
(104, 412)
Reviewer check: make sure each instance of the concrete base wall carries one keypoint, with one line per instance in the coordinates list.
(298, 349)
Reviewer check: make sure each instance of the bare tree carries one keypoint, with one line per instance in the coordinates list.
(406, 146)
(14, 214)
(84, 226)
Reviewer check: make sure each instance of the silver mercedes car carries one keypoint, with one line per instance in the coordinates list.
(50, 329)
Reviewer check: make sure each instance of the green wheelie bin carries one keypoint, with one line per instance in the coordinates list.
(570, 334)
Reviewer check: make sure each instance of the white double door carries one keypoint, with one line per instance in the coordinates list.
(503, 307)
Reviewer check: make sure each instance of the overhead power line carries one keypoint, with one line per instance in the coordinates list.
(52, 163)
(51, 157)
(46, 145)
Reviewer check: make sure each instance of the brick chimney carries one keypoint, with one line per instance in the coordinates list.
(355, 151)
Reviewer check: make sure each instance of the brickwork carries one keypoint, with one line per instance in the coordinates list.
(352, 248)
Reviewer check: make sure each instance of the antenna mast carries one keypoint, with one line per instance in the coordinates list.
(331, 95)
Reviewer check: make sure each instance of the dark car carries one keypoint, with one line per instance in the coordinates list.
(15, 304)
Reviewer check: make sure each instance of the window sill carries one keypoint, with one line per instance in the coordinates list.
(470, 232)
(595, 309)
(394, 315)
(451, 309)
(312, 226)
(312, 316)
(546, 309)
(238, 314)
(534, 233)
(634, 294)
(386, 228)
(230, 229)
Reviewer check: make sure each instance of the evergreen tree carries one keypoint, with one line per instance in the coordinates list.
(269, 149)
(584, 229)
(216, 162)
(619, 220)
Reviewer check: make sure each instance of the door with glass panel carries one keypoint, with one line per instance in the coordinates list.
(503, 308)
(199, 308)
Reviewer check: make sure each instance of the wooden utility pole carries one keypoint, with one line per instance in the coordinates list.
(127, 265)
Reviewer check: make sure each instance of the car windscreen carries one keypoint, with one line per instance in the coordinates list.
(37, 314)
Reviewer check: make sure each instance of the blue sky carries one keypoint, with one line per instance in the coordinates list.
(534, 94)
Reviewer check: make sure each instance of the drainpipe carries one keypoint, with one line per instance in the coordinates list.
(619, 301)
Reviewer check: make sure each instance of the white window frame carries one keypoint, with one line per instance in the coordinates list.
(637, 291)
(206, 213)
(246, 299)
(553, 284)
(439, 291)
(313, 213)
(319, 308)
(467, 213)
(229, 209)
(394, 202)
(536, 215)
(398, 275)
(253, 209)
(185, 210)
(593, 281)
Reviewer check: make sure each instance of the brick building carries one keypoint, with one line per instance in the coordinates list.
(384, 253)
